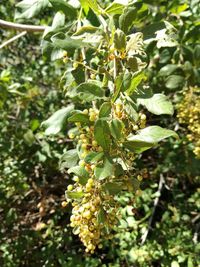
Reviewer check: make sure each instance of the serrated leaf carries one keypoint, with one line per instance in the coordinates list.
(104, 170)
(73, 195)
(79, 171)
(105, 110)
(114, 9)
(122, 82)
(86, 29)
(135, 82)
(119, 40)
(94, 157)
(102, 134)
(126, 20)
(147, 138)
(116, 127)
(79, 117)
(135, 44)
(68, 159)
(131, 108)
(56, 122)
(112, 188)
(92, 4)
(61, 5)
(65, 42)
(89, 91)
(158, 104)
(31, 8)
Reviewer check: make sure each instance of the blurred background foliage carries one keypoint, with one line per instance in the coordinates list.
(34, 227)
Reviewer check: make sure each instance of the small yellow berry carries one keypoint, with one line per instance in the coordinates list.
(71, 135)
(85, 111)
(82, 163)
(143, 117)
(64, 204)
(70, 187)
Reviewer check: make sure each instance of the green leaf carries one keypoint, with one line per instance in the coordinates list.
(61, 5)
(85, 29)
(102, 134)
(122, 82)
(101, 216)
(79, 171)
(105, 110)
(94, 157)
(29, 138)
(114, 9)
(132, 63)
(131, 108)
(104, 170)
(135, 44)
(112, 188)
(135, 82)
(119, 40)
(175, 264)
(190, 262)
(126, 20)
(89, 91)
(73, 195)
(79, 117)
(147, 138)
(56, 122)
(68, 159)
(158, 104)
(31, 8)
(174, 81)
(92, 4)
(116, 127)
(65, 42)
(167, 70)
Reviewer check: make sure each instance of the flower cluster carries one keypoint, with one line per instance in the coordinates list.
(189, 114)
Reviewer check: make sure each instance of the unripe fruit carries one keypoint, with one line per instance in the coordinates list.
(90, 181)
(81, 163)
(93, 76)
(75, 65)
(71, 135)
(94, 143)
(92, 117)
(82, 136)
(76, 178)
(143, 117)
(135, 127)
(85, 111)
(64, 204)
(70, 187)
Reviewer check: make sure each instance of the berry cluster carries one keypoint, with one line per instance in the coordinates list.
(86, 215)
(189, 114)
(95, 211)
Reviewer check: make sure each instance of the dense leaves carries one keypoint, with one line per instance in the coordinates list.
(34, 227)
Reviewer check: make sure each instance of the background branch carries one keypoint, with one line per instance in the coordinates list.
(160, 186)
(13, 39)
(21, 27)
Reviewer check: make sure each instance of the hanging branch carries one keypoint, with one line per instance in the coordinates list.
(160, 186)
(21, 27)
(13, 39)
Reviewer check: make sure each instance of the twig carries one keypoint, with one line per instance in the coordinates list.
(160, 186)
(195, 236)
(14, 38)
(21, 27)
